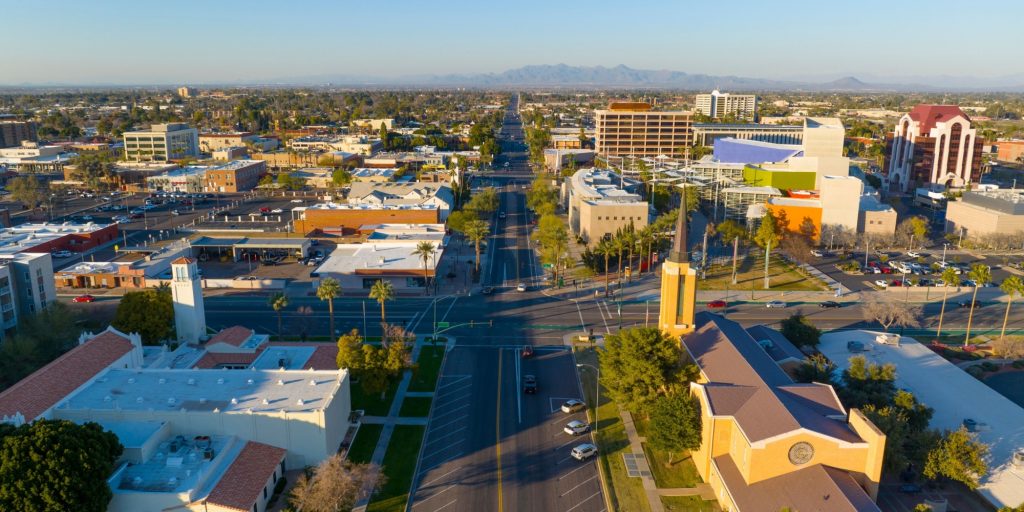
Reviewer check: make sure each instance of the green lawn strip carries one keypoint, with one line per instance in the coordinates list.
(427, 367)
(415, 406)
(688, 504)
(372, 402)
(625, 493)
(365, 442)
(682, 472)
(750, 272)
(399, 464)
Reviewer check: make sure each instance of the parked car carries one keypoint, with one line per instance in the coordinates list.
(530, 384)
(881, 283)
(246, 278)
(121, 219)
(175, 212)
(487, 290)
(886, 270)
(265, 209)
(817, 253)
(571, 406)
(584, 451)
(521, 287)
(63, 253)
(84, 298)
(277, 210)
(914, 254)
(911, 489)
(576, 428)
(718, 304)
(829, 304)
(135, 215)
(296, 200)
(775, 304)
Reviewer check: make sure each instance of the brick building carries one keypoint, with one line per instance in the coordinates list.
(234, 176)
(346, 218)
(933, 145)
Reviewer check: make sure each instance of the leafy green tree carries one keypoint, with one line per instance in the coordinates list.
(149, 313)
(542, 198)
(980, 274)
(350, 352)
(817, 368)
(554, 238)
(1011, 286)
(864, 383)
(341, 177)
(606, 248)
(41, 338)
(484, 202)
(730, 230)
(477, 231)
(278, 302)
(641, 364)
(958, 456)
(56, 465)
(375, 366)
(425, 250)
(799, 329)
(26, 190)
(382, 291)
(458, 220)
(949, 276)
(328, 290)
(675, 423)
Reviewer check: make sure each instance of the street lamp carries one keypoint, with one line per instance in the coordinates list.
(944, 246)
(597, 391)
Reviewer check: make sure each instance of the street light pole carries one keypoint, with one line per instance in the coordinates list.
(944, 246)
(597, 391)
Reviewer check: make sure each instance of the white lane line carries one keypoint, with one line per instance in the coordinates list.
(452, 401)
(563, 460)
(460, 379)
(445, 505)
(456, 420)
(424, 484)
(519, 400)
(573, 471)
(443, 462)
(583, 324)
(598, 493)
(463, 406)
(454, 300)
(453, 432)
(436, 494)
(563, 445)
(577, 486)
(446, 394)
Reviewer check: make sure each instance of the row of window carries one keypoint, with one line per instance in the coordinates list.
(617, 218)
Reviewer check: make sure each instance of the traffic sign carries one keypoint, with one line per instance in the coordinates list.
(548, 265)
(442, 325)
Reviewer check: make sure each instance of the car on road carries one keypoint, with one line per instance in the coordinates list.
(296, 200)
(527, 351)
(136, 211)
(277, 210)
(175, 212)
(246, 278)
(314, 261)
(135, 215)
(775, 304)
(817, 253)
(915, 254)
(530, 384)
(521, 287)
(576, 427)
(84, 298)
(571, 406)
(829, 304)
(121, 219)
(265, 209)
(86, 218)
(963, 304)
(881, 283)
(501, 215)
(63, 253)
(584, 451)
(718, 304)
(487, 290)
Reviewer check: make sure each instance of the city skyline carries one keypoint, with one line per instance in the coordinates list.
(228, 43)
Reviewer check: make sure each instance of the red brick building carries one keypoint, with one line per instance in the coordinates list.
(933, 145)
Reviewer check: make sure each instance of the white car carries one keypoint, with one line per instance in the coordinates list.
(576, 427)
(296, 200)
(913, 254)
(817, 253)
(521, 287)
(277, 210)
(121, 219)
(62, 254)
(584, 451)
(571, 406)
(881, 283)
(775, 304)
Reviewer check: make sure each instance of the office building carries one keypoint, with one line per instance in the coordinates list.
(162, 142)
(48, 237)
(789, 165)
(413, 193)
(1010, 150)
(601, 202)
(188, 180)
(187, 92)
(633, 129)
(933, 145)
(987, 212)
(876, 217)
(705, 134)
(718, 105)
(373, 125)
(215, 141)
(557, 159)
(234, 176)
(31, 157)
(13, 133)
(26, 288)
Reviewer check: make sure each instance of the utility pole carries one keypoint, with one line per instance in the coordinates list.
(735, 256)
(767, 251)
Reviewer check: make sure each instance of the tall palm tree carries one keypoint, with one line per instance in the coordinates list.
(645, 237)
(949, 276)
(477, 231)
(629, 240)
(605, 248)
(619, 242)
(382, 291)
(278, 302)
(1011, 286)
(980, 274)
(425, 250)
(329, 289)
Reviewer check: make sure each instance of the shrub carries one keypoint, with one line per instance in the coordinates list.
(989, 366)
(976, 372)
(1018, 364)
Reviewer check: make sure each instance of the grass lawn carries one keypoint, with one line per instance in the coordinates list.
(399, 464)
(688, 504)
(365, 442)
(682, 473)
(372, 402)
(625, 493)
(415, 406)
(750, 272)
(428, 366)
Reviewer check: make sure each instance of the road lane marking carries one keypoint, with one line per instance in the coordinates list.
(563, 460)
(448, 393)
(439, 464)
(456, 431)
(519, 395)
(563, 445)
(497, 431)
(445, 505)
(436, 494)
(578, 486)
(460, 379)
(588, 498)
(424, 484)
(573, 471)
(463, 406)
(456, 420)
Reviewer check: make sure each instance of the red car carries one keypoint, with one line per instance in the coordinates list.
(718, 304)
(84, 298)
(886, 270)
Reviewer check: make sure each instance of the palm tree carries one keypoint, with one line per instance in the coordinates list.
(949, 276)
(605, 248)
(619, 242)
(980, 274)
(383, 291)
(1011, 286)
(629, 239)
(477, 231)
(425, 250)
(329, 289)
(645, 238)
(278, 302)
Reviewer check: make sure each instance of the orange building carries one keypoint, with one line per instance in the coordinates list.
(1010, 150)
(345, 219)
(796, 211)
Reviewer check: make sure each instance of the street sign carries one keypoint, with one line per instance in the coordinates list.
(548, 265)
(442, 325)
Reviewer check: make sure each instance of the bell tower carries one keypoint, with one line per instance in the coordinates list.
(187, 294)
(678, 284)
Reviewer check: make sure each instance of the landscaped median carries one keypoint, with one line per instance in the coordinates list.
(398, 467)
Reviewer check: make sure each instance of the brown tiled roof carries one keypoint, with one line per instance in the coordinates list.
(48, 385)
(745, 383)
(242, 483)
(234, 336)
(814, 488)
(213, 360)
(325, 357)
(929, 115)
(184, 260)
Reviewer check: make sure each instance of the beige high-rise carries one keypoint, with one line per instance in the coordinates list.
(633, 129)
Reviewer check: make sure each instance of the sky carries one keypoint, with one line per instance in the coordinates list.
(217, 41)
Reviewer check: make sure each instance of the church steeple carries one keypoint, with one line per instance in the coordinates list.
(678, 284)
(679, 252)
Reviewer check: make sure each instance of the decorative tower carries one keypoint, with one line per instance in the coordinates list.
(678, 284)
(187, 293)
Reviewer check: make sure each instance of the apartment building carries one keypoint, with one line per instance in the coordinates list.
(215, 141)
(601, 202)
(933, 145)
(634, 129)
(187, 92)
(13, 133)
(718, 105)
(162, 142)
(234, 176)
(26, 287)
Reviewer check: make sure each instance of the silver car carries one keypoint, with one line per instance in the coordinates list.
(775, 304)
(584, 451)
(576, 427)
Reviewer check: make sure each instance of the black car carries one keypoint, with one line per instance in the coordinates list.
(487, 290)
(829, 304)
(529, 384)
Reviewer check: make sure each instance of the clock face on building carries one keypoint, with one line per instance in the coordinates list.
(801, 453)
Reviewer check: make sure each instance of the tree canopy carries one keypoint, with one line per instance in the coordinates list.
(41, 338)
(799, 330)
(675, 423)
(149, 313)
(374, 365)
(335, 484)
(641, 364)
(958, 456)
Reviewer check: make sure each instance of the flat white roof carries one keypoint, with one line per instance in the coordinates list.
(955, 396)
(179, 465)
(289, 358)
(383, 256)
(366, 206)
(205, 390)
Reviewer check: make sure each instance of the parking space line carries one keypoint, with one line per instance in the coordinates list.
(563, 445)
(445, 505)
(452, 391)
(456, 420)
(424, 484)
(584, 501)
(453, 400)
(439, 464)
(577, 486)
(436, 494)
(453, 432)
(563, 460)
(456, 381)
(463, 406)
(573, 471)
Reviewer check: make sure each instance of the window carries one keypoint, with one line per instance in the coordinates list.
(264, 492)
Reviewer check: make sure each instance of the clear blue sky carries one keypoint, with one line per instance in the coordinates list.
(193, 41)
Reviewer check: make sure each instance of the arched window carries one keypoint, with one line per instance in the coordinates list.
(966, 150)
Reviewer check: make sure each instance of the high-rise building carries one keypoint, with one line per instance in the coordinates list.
(721, 104)
(632, 129)
(933, 145)
(12, 133)
(187, 92)
(162, 142)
